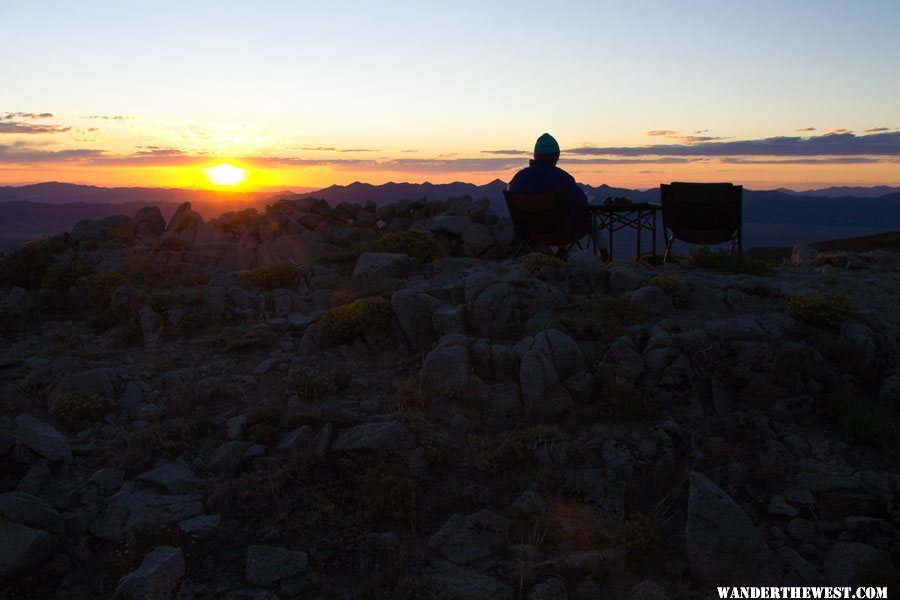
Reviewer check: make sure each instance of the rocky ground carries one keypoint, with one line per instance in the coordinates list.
(362, 402)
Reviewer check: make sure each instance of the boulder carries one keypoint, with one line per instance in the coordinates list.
(477, 239)
(491, 304)
(446, 369)
(464, 539)
(172, 478)
(158, 577)
(414, 310)
(265, 565)
(458, 583)
(94, 381)
(141, 512)
(389, 435)
(844, 560)
(722, 543)
(25, 509)
(22, 548)
(378, 265)
(652, 300)
(452, 224)
(42, 439)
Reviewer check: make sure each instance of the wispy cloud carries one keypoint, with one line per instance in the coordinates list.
(806, 129)
(24, 115)
(333, 149)
(839, 160)
(107, 118)
(17, 127)
(877, 129)
(507, 152)
(661, 132)
(18, 154)
(829, 144)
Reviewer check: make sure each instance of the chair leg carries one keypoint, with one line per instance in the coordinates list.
(668, 253)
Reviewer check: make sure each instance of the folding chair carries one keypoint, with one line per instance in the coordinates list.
(542, 219)
(702, 213)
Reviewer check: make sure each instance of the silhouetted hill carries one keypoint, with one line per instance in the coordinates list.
(54, 192)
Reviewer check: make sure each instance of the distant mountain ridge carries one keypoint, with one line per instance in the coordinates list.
(53, 207)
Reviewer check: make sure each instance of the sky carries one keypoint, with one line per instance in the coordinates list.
(800, 94)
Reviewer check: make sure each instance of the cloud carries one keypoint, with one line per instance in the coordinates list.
(24, 128)
(107, 118)
(508, 152)
(24, 115)
(829, 144)
(840, 160)
(332, 149)
(408, 151)
(877, 129)
(696, 139)
(807, 129)
(18, 154)
(661, 132)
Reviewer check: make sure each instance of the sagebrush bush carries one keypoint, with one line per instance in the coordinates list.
(370, 315)
(677, 291)
(536, 261)
(725, 262)
(515, 447)
(74, 406)
(821, 308)
(411, 242)
(282, 275)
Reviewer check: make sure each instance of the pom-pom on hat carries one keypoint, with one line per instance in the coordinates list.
(546, 144)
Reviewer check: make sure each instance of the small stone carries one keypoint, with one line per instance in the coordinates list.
(801, 530)
(779, 507)
(172, 478)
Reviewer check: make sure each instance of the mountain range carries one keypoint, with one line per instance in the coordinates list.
(776, 217)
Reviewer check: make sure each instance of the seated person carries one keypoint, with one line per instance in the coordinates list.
(542, 175)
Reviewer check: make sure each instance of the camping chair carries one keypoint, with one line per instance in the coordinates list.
(702, 213)
(542, 220)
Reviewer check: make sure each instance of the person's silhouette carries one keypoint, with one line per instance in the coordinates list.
(542, 175)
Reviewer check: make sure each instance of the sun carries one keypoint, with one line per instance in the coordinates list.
(226, 174)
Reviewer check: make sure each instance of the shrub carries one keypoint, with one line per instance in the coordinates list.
(513, 447)
(386, 494)
(60, 277)
(146, 269)
(536, 261)
(99, 287)
(605, 318)
(282, 275)
(677, 291)
(370, 315)
(81, 406)
(25, 266)
(725, 262)
(412, 242)
(821, 308)
(311, 386)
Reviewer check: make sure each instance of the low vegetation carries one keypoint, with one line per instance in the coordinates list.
(536, 261)
(821, 308)
(730, 263)
(280, 276)
(74, 407)
(370, 315)
(412, 242)
(677, 291)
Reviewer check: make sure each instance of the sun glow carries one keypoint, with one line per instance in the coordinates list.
(226, 174)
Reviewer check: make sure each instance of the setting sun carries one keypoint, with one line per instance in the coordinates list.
(226, 174)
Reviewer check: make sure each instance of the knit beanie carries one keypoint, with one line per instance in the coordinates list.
(546, 144)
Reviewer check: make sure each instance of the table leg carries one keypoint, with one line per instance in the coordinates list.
(654, 235)
(594, 232)
(609, 228)
(639, 227)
